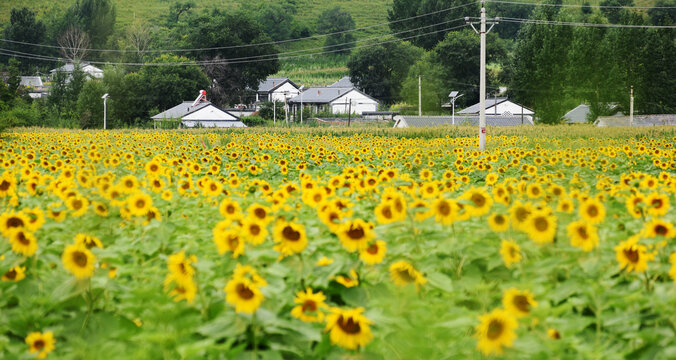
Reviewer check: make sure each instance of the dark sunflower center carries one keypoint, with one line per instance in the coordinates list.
(309, 306)
(631, 255)
(478, 200)
(535, 191)
(11, 275)
(4, 185)
(244, 292)
(398, 206)
(444, 208)
(14, 222)
(512, 251)
(350, 326)
(521, 214)
(80, 259)
(213, 187)
(657, 203)
(233, 242)
(255, 229)
(387, 212)
(541, 224)
(77, 204)
(22, 238)
(405, 275)
(39, 344)
(495, 328)
(592, 211)
(317, 198)
(661, 230)
(129, 184)
(582, 232)
(355, 233)
(230, 209)
(153, 167)
(260, 213)
(521, 303)
(290, 234)
(140, 203)
(373, 249)
(499, 219)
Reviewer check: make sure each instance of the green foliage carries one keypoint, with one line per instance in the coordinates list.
(95, 17)
(254, 120)
(333, 21)
(379, 70)
(90, 105)
(277, 20)
(24, 27)
(270, 110)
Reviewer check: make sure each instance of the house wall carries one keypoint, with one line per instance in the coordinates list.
(278, 94)
(506, 106)
(209, 113)
(360, 103)
(212, 124)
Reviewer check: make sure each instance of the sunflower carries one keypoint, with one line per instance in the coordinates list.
(79, 261)
(12, 221)
(23, 242)
(128, 184)
(592, 211)
(541, 227)
(658, 227)
(230, 209)
(261, 212)
(421, 210)
(40, 343)
(672, 269)
(331, 216)
(229, 240)
(511, 252)
(180, 267)
(495, 331)
(309, 306)
(139, 203)
(88, 241)
(478, 200)
(253, 230)
(632, 256)
(635, 205)
(16, 273)
(519, 214)
(534, 190)
(78, 204)
(245, 296)
(445, 211)
(355, 234)
(492, 178)
(248, 272)
(374, 253)
(583, 235)
(348, 282)
(657, 204)
(290, 238)
(565, 205)
(186, 290)
(349, 328)
(384, 213)
(7, 184)
(498, 222)
(403, 273)
(518, 303)
(36, 219)
(553, 334)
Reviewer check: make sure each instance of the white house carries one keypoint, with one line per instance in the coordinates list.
(339, 98)
(200, 113)
(92, 71)
(276, 89)
(498, 106)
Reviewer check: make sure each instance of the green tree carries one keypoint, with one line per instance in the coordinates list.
(90, 105)
(177, 9)
(614, 12)
(276, 20)
(23, 27)
(427, 36)
(95, 17)
(336, 22)
(235, 67)
(380, 70)
(433, 88)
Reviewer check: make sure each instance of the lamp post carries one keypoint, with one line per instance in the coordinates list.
(105, 98)
(453, 95)
(301, 102)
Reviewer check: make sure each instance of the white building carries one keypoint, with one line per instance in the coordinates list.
(276, 89)
(92, 71)
(498, 106)
(203, 114)
(339, 98)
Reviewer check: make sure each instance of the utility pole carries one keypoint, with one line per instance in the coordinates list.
(349, 113)
(482, 74)
(631, 106)
(301, 103)
(419, 95)
(274, 112)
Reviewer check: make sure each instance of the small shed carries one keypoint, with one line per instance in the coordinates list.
(498, 106)
(639, 120)
(202, 114)
(404, 121)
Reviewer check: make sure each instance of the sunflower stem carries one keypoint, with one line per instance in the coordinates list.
(254, 339)
(90, 304)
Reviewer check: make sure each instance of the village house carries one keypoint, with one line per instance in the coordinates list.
(199, 113)
(341, 97)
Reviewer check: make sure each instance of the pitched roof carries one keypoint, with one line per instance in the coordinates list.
(474, 109)
(181, 110)
(320, 95)
(578, 115)
(272, 83)
(491, 120)
(344, 82)
(639, 120)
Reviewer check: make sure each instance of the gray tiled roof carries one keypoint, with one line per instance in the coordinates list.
(272, 83)
(344, 82)
(181, 110)
(320, 95)
(639, 120)
(578, 115)
(474, 109)
(422, 121)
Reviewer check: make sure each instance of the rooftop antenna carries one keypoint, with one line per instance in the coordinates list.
(201, 97)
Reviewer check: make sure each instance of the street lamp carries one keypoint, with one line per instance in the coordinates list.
(105, 98)
(302, 87)
(454, 96)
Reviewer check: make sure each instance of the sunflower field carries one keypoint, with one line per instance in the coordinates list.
(554, 243)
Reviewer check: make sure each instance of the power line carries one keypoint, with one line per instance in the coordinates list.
(568, 23)
(227, 62)
(314, 37)
(579, 6)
